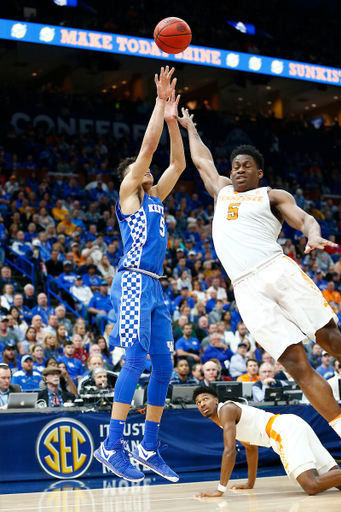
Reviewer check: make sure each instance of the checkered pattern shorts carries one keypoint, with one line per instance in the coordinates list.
(130, 308)
(138, 227)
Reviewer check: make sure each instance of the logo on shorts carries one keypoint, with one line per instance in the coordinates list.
(64, 448)
(170, 345)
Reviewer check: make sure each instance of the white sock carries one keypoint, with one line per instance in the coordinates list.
(336, 425)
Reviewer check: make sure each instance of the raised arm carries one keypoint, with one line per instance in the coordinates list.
(202, 157)
(152, 136)
(285, 208)
(177, 162)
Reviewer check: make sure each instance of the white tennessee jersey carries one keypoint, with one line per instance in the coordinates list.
(251, 428)
(244, 230)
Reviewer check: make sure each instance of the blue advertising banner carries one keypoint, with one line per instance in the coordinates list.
(142, 47)
(41, 445)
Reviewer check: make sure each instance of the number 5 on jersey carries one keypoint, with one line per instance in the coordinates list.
(232, 213)
(162, 226)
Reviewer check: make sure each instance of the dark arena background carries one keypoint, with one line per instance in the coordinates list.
(76, 94)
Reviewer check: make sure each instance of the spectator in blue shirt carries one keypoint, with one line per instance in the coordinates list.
(217, 350)
(100, 304)
(326, 368)
(58, 187)
(29, 164)
(3, 238)
(43, 309)
(211, 303)
(5, 199)
(97, 193)
(184, 295)
(109, 235)
(315, 356)
(9, 358)
(192, 233)
(320, 282)
(181, 376)
(114, 254)
(27, 378)
(235, 319)
(38, 358)
(188, 347)
(72, 190)
(182, 194)
(73, 365)
(91, 279)
(45, 251)
(67, 278)
(20, 246)
(6, 278)
(77, 222)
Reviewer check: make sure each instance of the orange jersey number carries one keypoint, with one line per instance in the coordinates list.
(233, 211)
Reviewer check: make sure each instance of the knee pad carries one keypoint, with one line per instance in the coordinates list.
(129, 376)
(162, 369)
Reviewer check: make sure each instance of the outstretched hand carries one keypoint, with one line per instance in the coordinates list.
(186, 120)
(171, 108)
(317, 242)
(164, 85)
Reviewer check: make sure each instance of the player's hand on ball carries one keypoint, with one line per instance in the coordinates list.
(186, 120)
(317, 242)
(171, 108)
(214, 494)
(164, 86)
(241, 486)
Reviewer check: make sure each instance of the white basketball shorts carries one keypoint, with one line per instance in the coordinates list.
(298, 446)
(281, 305)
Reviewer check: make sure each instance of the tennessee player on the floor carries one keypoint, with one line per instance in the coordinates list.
(301, 452)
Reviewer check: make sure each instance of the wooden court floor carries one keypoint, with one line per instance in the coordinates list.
(276, 494)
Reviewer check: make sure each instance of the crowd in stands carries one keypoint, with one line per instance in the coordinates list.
(280, 32)
(65, 238)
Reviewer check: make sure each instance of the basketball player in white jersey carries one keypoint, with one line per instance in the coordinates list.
(279, 304)
(302, 454)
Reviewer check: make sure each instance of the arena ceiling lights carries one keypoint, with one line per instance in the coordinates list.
(141, 47)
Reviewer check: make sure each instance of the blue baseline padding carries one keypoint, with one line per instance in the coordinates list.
(195, 443)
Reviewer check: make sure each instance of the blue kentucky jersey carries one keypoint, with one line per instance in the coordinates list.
(144, 236)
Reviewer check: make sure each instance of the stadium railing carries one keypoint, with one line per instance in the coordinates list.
(50, 291)
(106, 319)
(21, 264)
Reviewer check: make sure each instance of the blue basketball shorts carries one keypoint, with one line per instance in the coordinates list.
(142, 315)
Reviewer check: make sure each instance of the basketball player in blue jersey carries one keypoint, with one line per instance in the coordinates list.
(280, 305)
(144, 325)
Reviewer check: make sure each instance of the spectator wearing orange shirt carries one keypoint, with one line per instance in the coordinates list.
(59, 212)
(330, 294)
(78, 259)
(70, 228)
(252, 372)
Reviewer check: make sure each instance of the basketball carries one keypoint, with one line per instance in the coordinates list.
(172, 35)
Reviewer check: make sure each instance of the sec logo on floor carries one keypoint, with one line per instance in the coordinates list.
(64, 448)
